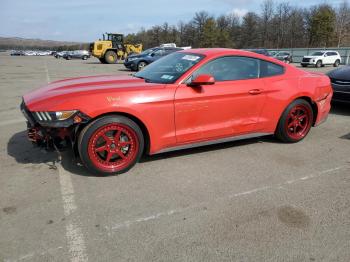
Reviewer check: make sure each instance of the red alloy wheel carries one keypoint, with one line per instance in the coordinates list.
(298, 122)
(113, 147)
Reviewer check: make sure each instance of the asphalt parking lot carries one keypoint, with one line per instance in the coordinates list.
(252, 200)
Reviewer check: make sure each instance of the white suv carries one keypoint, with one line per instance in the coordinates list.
(321, 58)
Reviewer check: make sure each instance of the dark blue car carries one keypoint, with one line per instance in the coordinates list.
(139, 61)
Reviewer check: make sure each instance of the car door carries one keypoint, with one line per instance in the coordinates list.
(229, 107)
(157, 54)
(329, 58)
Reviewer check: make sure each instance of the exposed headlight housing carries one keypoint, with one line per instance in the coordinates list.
(54, 116)
(63, 115)
(60, 118)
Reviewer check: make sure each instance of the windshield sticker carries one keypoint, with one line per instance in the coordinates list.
(191, 57)
(169, 77)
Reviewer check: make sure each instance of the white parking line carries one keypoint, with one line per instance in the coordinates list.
(74, 234)
(47, 73)
(129, 223)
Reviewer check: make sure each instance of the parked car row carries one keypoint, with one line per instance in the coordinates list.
(30, 53)
(282, 55)
(76, 54)
(316, 59)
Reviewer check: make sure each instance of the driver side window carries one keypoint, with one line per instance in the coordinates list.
(230, 68)
(159, 52)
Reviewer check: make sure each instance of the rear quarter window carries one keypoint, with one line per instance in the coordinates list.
(268, 69)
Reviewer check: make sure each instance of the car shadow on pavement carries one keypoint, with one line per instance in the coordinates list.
(209, 148)
(341, 109)
(347, 136)
(24, 152)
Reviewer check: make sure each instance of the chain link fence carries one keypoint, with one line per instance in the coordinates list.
(299, 53)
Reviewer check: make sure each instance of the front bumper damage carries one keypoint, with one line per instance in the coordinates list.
(53, 134)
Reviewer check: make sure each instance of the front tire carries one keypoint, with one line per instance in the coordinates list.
(111, 145)
(318, 64)
(336, 63)
(141, 65)
(295, 122)
(110, 57)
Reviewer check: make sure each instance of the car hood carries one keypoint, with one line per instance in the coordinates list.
(342, 73)
(136, 56)
(74, 88)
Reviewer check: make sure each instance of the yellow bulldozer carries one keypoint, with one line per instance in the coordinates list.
(112, 48)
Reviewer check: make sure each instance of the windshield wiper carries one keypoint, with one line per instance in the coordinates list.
(141, 77)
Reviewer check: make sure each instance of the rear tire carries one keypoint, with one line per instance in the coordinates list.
(336, 63)
(318, 64)
(110, 57)
(110, 145)
(295, 122)
(85, 57)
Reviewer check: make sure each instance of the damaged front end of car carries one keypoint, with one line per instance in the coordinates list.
(53, 130)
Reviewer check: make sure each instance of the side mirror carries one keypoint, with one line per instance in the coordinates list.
(325, 55)
(202, 80)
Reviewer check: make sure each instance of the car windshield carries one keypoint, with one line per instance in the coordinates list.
(318, 54)
(169, 68)
(148, 51)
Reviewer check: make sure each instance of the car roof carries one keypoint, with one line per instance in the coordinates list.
(324, 51)
(214, 52)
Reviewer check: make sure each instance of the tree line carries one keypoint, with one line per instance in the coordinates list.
(83, 46)
(277, 25)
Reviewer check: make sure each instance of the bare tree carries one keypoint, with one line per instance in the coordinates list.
(281, 22)
(199, 21)
(266, 17)
(342, 22)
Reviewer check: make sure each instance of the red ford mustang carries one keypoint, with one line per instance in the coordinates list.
(186, 99)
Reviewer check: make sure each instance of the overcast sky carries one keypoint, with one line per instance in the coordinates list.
(86, 20)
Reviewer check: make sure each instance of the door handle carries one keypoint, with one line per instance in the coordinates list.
(255, 91)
